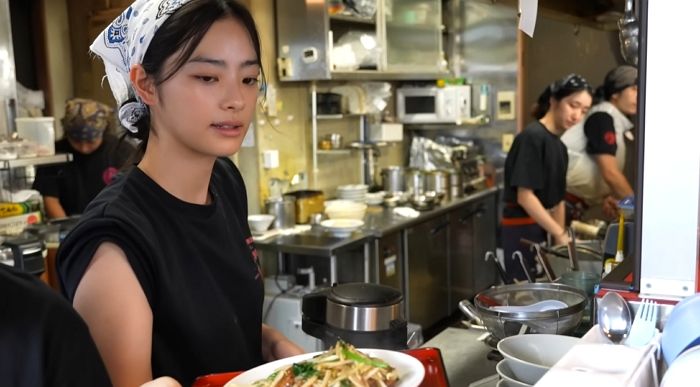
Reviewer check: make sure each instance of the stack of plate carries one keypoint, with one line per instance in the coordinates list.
(354, 192)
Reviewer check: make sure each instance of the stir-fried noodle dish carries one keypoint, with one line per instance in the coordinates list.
(340, 366)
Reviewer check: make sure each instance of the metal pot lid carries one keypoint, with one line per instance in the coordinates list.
(364, 294)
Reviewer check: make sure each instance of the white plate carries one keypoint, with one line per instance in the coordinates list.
(342, 227)
(410, 370)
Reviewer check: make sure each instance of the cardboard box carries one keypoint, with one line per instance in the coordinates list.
(386, 132)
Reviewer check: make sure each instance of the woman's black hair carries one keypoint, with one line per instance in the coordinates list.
(570, 84)
(182, 32)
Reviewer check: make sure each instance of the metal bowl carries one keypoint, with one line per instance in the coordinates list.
(503, 324)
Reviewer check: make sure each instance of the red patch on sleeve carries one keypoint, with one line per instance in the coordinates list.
(609, 138)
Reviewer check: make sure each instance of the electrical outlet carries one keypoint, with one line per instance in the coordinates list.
(507, 141)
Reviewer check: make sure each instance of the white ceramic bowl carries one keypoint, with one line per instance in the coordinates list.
(683, 370)
(345, 209)
(531, 356)
(507, 376)
(682, 328)
(341, 227)
(260, 223)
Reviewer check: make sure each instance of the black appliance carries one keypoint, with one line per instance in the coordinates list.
(362, 314)
(25, 252)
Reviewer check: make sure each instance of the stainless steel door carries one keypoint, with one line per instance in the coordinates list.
(427, 280)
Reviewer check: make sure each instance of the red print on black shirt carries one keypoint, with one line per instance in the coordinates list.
(609, 138)
(254, 256)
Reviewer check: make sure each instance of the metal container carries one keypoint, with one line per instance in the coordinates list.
(283, 208)
(456, 185)
(503, 324)
(415, 181)
(437, 181)
(363, 307)
(393, 179)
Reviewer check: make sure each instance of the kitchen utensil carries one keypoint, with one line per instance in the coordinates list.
(504, 324)
(363, 314)
(415, 181)
(644, 325)
(619, 254)
(543, 261)
(540, 306)
(614, 317)
(531, 356)
(284, 211)
(342, 227)
(629, 34)
(572, 249)
(590, 258)
(259, 223)
(507, 375)
(501, 271)
(393, 179)
(544, 248)
(519, 256)
(336, 140)
(437, 181)
(682, 328)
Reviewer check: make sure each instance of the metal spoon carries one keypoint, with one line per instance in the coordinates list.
(614, 317)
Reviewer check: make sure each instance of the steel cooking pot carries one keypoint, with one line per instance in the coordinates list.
(393, 179)
(503, 324)
(589, 259)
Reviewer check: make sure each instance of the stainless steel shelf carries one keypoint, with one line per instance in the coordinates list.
(352, 19)
(387, 75)
(337, 116)
(40, 160)
(334, 151)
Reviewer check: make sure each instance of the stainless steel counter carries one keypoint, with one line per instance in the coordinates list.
(465, 357)
(379, 221)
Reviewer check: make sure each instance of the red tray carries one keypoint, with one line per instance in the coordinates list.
(431, 358)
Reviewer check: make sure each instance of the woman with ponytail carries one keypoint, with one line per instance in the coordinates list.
(535, 173)
(595, 181)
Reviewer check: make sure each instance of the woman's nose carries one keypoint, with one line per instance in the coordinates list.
(234, 98)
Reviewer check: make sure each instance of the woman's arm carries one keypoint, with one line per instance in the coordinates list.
(53, 208)
(276, 346)
(613, 176)
(534, 208)
(111, 301)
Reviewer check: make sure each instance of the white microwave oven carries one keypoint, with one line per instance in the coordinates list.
(423, 105)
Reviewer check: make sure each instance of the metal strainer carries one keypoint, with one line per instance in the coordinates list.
(503, 324)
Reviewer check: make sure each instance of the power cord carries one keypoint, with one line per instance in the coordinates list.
(281, 292)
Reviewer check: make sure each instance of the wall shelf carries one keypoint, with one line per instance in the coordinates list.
(40, 160)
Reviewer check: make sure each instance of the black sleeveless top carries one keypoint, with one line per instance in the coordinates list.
(196, 264)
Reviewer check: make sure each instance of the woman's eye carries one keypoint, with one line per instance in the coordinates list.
(206, 78)
(250, 81)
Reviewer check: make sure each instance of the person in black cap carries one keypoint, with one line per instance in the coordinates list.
(535, 173)
(97, 157)
(595, 180)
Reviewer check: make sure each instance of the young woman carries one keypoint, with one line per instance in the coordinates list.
(595, 179)
(162, 267)
(535, 173)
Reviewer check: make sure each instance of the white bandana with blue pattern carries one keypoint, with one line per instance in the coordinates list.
(124, 42)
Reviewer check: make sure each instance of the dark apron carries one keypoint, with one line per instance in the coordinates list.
(512, 230)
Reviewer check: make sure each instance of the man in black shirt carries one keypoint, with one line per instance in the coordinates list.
(97, 157)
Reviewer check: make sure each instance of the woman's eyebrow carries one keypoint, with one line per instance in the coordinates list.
(212, 61)
(221, 62)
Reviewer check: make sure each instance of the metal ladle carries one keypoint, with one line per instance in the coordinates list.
(614, 317)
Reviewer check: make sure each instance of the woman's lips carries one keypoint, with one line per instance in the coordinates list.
(228, 128)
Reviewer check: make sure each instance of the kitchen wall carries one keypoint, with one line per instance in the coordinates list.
(559, 48)
(58, 58)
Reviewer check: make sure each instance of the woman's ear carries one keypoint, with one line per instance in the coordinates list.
(144, 86)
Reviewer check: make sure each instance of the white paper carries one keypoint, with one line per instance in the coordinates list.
(528, 16)
(249, 139)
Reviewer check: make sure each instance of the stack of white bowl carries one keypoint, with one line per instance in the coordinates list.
(354, 192)
(528, 357)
